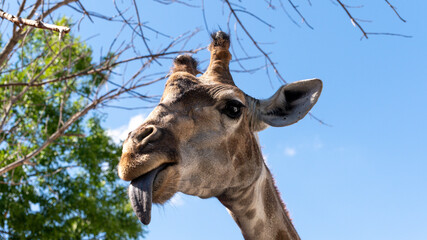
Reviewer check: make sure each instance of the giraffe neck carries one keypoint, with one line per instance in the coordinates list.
(258, 210)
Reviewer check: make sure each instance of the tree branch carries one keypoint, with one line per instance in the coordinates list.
(365, 34)
(33, 23)
(52, 138)
(395, 11)
(353, 21)
(299, 13)
(18, 35)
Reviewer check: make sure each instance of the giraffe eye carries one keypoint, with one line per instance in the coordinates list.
(233, 109)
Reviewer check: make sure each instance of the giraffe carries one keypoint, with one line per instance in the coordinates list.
(202, 140)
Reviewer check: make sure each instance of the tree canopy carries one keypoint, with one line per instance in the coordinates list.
(72, 191)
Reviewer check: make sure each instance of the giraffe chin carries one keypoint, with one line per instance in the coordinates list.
(141, 194)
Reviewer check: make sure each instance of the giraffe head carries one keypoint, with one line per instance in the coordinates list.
(201, 138)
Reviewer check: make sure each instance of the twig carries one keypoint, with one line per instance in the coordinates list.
(317, 119)
(176, 1)
(390, 34)
(204, 16)
(365, 34)
(287, 14)
(144, 40)
(395, 11)
(21, 8)
(353, 21)
(84, 10)
(253, 15)
(56, 6)
(299, 13)
(127, 108)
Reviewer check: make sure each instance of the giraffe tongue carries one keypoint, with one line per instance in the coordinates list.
(140, 194)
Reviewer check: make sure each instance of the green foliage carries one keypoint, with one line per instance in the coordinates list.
(71, 190)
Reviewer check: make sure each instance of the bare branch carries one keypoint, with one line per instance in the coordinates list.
(353, 21)
(168, 2)
(4, 55)
(18, 34)
(33, 23)
(56, 6)
(395, 11)
(319, 120)
(390, 34)
(21, 8)
(299, 13)
(127, 108)
(253, 15)
(84, 10)
(287, 14)
(140, 29)
(204, 16)
(34, 9)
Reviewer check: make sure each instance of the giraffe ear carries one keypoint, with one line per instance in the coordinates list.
(288, 105)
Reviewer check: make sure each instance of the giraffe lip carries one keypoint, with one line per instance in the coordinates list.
(141, 194)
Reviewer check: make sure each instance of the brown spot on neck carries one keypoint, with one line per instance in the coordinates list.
(259, 228)
(250, 214)
(281, 235)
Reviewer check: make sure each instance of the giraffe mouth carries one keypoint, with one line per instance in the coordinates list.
(141, 194)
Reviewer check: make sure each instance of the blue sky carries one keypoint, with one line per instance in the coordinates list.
(362, 178)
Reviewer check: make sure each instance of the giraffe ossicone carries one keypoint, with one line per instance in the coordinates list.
(201, 140)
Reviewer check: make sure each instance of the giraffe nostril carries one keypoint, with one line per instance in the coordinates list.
(144, 134)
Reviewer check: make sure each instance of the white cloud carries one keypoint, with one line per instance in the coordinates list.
(177, 200)
(289, 151)
(121, 133)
